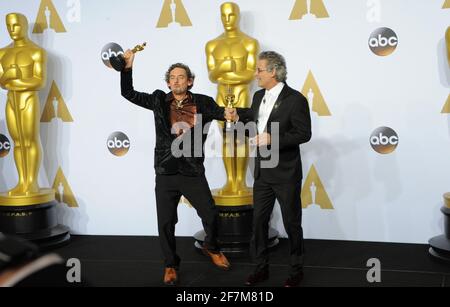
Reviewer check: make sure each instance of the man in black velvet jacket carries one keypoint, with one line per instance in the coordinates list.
(176, 114)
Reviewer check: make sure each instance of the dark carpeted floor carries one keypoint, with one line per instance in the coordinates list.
(136, 261)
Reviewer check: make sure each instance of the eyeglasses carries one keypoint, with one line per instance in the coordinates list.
(260, 70)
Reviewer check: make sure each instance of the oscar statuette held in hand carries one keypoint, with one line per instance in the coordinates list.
(230, 100)
(119, 63)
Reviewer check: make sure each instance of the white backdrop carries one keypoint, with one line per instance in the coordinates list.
(374, 197)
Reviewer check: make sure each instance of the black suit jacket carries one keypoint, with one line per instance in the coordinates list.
(165, 163)
(291, 111)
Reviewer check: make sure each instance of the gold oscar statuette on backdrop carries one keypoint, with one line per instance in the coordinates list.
(27, 209)
(447, 40)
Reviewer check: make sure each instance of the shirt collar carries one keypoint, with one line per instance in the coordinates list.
(276, 90)
(170, 98)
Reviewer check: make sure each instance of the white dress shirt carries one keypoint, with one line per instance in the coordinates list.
(267, 104)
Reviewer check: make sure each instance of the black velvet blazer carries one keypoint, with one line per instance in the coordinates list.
(165, 162)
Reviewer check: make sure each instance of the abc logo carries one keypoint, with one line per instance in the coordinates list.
(5, 146)
(118, 144)
(384, 140)
(111, 49)
(383, 41)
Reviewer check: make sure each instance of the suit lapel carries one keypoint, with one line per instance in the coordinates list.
(284, 93)
(258, 105)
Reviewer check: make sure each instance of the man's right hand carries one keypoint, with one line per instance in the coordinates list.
(231, 114)
(129, 58)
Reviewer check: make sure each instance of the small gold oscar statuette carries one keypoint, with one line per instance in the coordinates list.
(118, 62)
(230, 100)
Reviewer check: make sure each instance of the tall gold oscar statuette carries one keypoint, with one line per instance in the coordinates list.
(27, 209)
(440, 245)
(231, 60)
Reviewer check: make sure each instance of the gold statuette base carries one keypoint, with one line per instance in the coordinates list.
(243, 198)
(42, 197)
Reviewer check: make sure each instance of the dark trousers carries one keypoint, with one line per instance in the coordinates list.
(169, 189)
(288, 195)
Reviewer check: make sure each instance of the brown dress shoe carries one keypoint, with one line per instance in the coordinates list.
(257, 277)
(218, 259)
(170, 276)
(294, 280)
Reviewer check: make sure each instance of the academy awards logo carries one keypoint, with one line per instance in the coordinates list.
(308, 9)
(64, 194)
(118, 144)
(446, 4)
(55, 107)
(111, 49)
(446, 108)
(173, 14)
(315, 98)
(48, 18)
(5, 146)
(384, 140)
(313, 191)
(383, 41)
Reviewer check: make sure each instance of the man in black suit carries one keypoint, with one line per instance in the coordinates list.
(283, 123)
(179, 172)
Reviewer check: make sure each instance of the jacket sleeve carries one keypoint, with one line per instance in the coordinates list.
(144, 100)
(248, 114)
(245, 115)
(301, 125)
(213, 110)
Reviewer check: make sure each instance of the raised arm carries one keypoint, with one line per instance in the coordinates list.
(144, 100)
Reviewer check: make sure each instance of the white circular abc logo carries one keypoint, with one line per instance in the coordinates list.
(5, 146)
(111, 49)
(383, 41)
(384, 140)
(118, 144)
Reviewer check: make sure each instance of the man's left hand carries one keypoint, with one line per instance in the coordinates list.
(262, 139)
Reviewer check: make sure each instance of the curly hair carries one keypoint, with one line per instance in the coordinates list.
(190, 75)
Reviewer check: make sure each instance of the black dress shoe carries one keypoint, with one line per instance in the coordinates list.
(294, 280)
(257, 277)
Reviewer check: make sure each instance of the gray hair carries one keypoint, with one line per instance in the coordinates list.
(190, 75)
(275, 61)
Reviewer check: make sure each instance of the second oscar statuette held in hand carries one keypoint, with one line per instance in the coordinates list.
(118, 62)
(230, 100)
